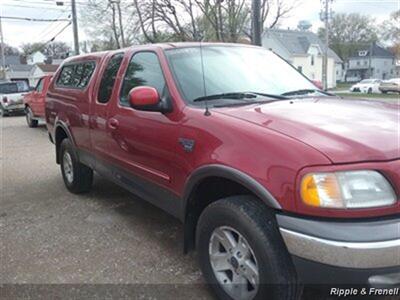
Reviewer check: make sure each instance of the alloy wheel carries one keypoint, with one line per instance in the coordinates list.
(68, 167)
(234, 263)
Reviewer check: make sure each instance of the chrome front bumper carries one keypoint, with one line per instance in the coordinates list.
(358, 255)
(326, 252)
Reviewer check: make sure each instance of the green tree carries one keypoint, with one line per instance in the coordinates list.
(349, 32)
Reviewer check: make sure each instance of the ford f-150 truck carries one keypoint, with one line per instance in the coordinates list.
(277, 183)
(35, 101)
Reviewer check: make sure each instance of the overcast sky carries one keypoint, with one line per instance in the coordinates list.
(18, 32)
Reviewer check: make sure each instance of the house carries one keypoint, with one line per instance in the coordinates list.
(29, 73)
(19, 72)
(371, 61)
(36, 58)
(304, 50)
(40, 70)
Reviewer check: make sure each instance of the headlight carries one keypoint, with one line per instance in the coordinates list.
(352, 189)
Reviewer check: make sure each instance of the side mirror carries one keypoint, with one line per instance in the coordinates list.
(144, 98)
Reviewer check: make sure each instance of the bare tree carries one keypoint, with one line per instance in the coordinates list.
(110, 24)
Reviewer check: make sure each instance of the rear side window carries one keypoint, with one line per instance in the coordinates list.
(76, 75)
(14, 87)
(108, 80)
(144, 69)
(39, 86)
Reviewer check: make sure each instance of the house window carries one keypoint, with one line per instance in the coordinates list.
(365, 62)
(312, 60)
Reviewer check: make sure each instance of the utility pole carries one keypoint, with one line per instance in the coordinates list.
(75, 27)
(370, 60)
(3, 58)
(326, 14)
(256, 22)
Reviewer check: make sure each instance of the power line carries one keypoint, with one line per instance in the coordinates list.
(51, 27)
(34, 19)
(33, 7)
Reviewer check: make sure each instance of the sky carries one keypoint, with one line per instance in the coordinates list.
(17, 32)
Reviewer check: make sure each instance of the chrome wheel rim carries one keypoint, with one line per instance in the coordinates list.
(68, 167)
(234, 263)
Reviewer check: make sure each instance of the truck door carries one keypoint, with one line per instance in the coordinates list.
(41, 96)
(142, 142)
(99, 129)
(36, 96)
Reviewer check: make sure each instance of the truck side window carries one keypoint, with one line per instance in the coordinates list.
(76, 75)
(39, 86)
(108, 80)
(144, 69)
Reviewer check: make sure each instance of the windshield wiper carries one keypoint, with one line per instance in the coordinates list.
(305, 92)
(237, 96)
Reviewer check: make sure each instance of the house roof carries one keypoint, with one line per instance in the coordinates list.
(20, 68)
(376, 51)
(12, 60)
(48, 68)
(298, 41)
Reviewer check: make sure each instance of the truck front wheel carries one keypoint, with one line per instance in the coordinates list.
(78, 178)
(241, 252)
(29, 118)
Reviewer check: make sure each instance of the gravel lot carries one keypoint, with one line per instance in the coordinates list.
(107, 244)
(49, 236)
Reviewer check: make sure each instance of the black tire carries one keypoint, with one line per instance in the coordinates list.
(3, 112)
(257, 224)
(370, 91)
(32, 123)
(82, 177)
(384, 92)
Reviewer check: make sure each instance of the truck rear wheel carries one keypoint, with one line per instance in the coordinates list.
(29, 118)
(241, 252)
(78, 178)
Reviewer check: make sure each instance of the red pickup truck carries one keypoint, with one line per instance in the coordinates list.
(35, 101)
(277, 183)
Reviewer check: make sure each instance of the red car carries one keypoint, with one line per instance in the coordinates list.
(35, 101)
(277, 183)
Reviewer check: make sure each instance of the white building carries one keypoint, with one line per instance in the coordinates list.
(36, 58)
(304, 50)
(29, 73)
(371, 61)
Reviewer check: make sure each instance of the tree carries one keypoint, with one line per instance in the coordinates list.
(390, 32)
(349, 32)
(390, 29)
(110, 24)
(9, 50)
(210, 20)
(52, 50)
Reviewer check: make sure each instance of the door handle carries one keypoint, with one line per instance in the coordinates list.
(113, 124)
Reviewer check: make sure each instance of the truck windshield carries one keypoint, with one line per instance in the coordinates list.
(13, 87)
(232, 69)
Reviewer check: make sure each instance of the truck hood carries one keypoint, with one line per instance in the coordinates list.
(344, 130)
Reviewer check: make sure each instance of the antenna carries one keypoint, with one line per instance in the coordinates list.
(207, 112)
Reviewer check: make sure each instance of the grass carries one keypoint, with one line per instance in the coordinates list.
(370, 96)
(343, 86)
